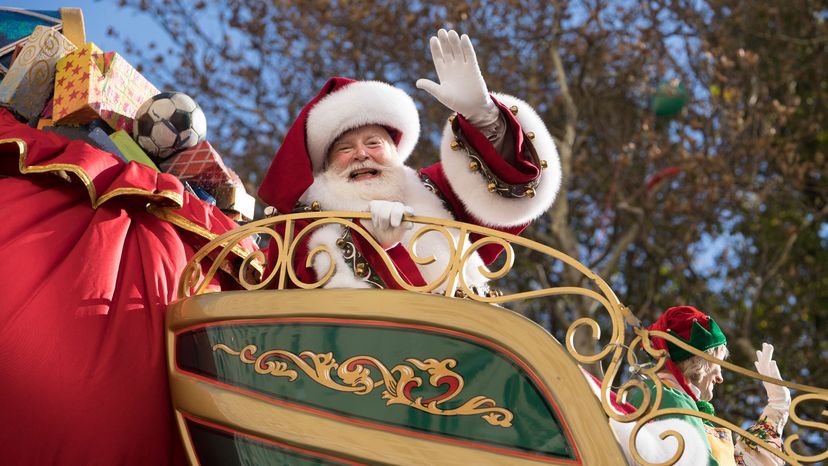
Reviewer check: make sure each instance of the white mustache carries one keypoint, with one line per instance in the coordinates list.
(365, 165)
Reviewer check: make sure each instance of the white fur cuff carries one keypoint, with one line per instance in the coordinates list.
(471, 187)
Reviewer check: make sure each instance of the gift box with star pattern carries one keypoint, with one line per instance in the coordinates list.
(91, 84)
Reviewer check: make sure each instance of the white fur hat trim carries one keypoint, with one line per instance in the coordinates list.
(358, 104)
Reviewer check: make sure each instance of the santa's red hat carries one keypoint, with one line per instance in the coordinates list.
(692, 326)
(342, 104)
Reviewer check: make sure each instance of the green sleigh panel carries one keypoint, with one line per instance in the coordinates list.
(375, 376)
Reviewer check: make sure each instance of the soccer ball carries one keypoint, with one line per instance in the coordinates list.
(167, 123)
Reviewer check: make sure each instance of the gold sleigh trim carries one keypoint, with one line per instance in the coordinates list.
(357, 379)
(617, 350)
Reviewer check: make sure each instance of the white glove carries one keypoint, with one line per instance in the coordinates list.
(386, 219)
(462, 88)
(779, 397)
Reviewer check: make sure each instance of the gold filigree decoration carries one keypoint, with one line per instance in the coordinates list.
(355, 376)
(289, 234)
(650, 408)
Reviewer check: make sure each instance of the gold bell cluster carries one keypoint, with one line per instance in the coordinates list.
(495, 184)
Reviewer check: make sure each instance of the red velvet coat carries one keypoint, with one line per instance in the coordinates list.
(463, 195)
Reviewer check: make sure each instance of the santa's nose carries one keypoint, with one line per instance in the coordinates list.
(360, 153)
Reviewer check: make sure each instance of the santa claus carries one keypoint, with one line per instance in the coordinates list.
(346, 151)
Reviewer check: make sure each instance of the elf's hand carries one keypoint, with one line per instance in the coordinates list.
(386, 221)
(462, 88)
(779, 397)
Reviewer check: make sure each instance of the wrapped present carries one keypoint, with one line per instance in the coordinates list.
(92, 134)
(102, 125)
(233, 197)
(103, 141)
(91, 84)
(130, 149)
(189, 188)
(203, 194)
(200, 164)
(17, 49)
(16, 25)
(201, 167)
(30, 80)
(70, 132)
(47, 109)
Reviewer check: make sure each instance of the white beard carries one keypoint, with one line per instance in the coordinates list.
(335, 191)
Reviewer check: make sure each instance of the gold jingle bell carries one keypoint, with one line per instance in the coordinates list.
(361, 270)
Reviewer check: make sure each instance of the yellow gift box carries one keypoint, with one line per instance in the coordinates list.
(130, 149)
(91, 84)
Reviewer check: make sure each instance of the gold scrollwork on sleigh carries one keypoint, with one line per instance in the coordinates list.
(286, 237)
(355, 377)
(617, 349)
(650, 408)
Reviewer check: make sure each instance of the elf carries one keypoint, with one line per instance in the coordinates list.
(688, 383)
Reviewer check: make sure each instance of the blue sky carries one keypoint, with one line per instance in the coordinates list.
(100, 15)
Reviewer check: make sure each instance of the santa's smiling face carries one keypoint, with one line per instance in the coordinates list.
(362, 166)
(361, 154)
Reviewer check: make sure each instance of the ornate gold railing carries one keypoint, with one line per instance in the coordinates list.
(647, 411)
(287, 233)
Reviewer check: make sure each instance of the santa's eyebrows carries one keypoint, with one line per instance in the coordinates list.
(342, 141)
(350, 140)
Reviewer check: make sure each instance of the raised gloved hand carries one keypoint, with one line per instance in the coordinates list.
(462, 88)
(386, 220)
(779, 397)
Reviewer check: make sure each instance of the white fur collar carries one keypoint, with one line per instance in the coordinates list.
(414, 194)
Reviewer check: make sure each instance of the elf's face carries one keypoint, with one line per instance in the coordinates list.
(362, 154)
(708, 381)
